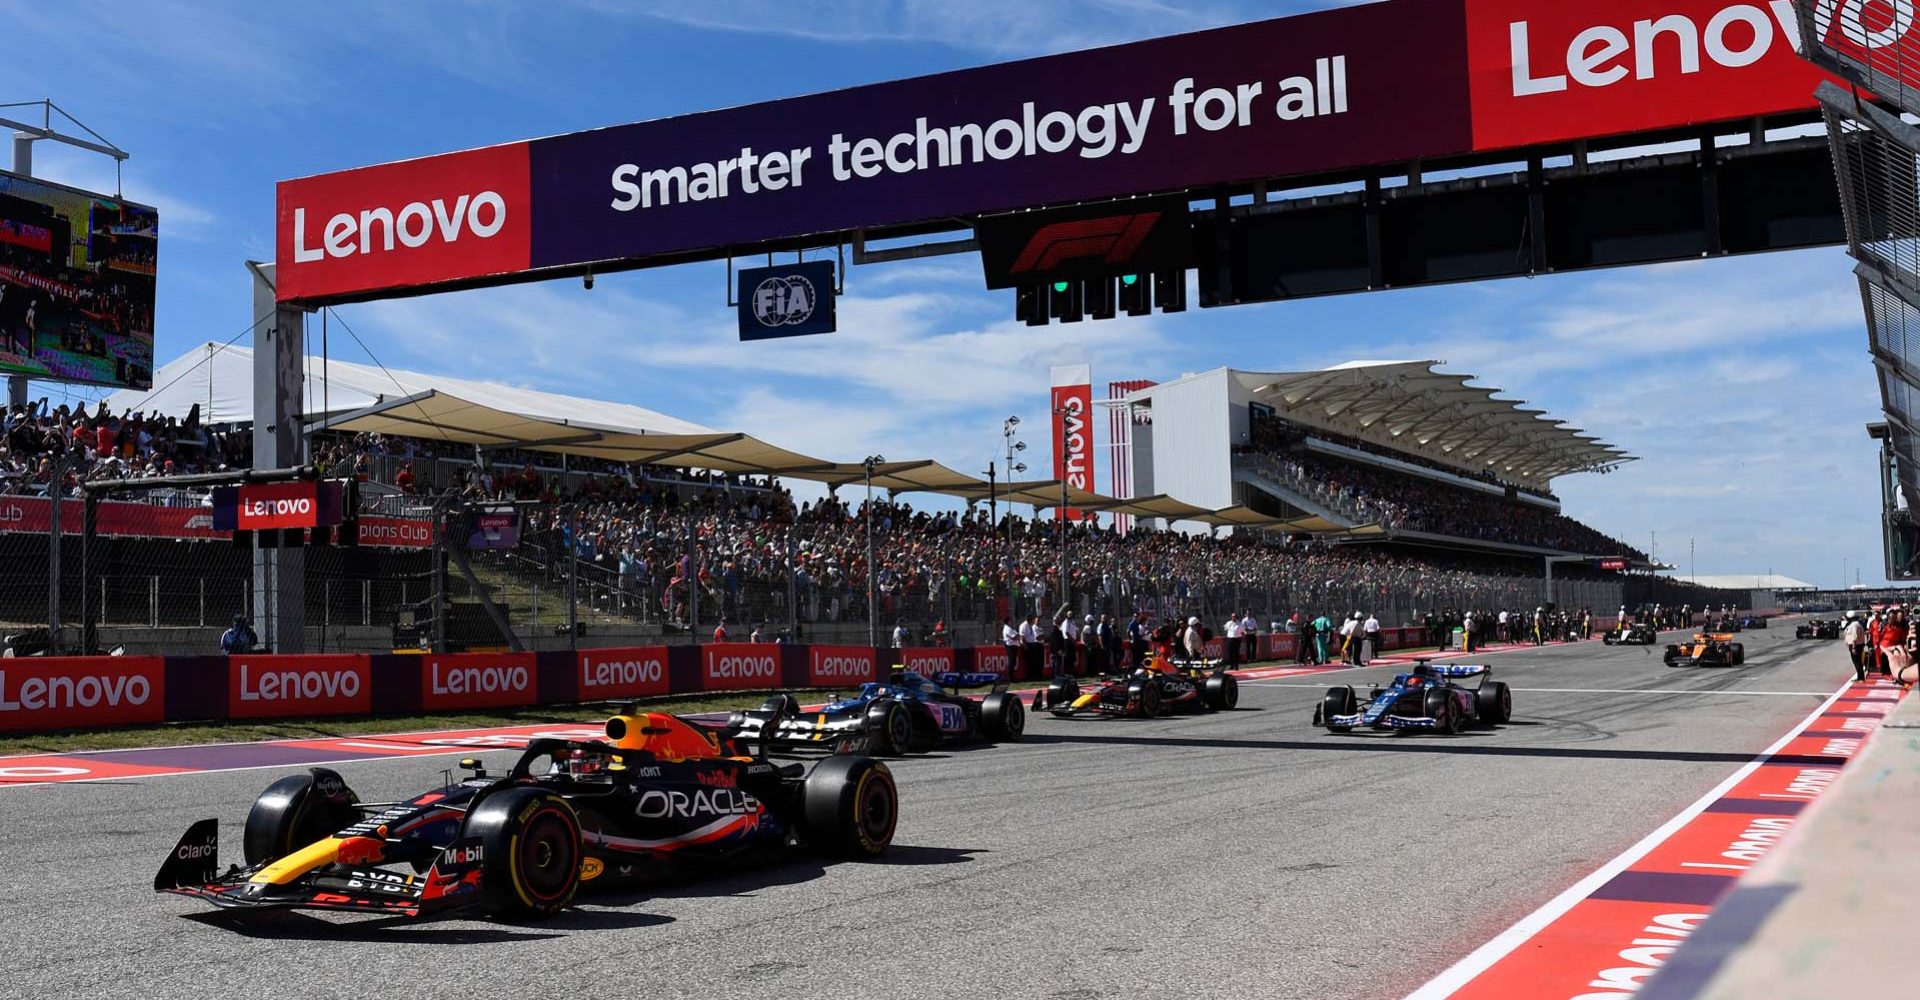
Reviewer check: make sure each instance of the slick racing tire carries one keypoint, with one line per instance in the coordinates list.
(1003, 717)
(296, 811)
(530, 838)
(1221, 691)
(1061, 694)
(891, 725)
(1145, 697)
(849, 806)
(1438, 705)
(1494, 703)
(1737, 653)
(1338, 701)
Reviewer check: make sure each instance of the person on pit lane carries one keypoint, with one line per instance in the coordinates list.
(1138, 636)
(1231, 630)
(1350, 642)
(1193, 642)
(1895, 652)
(1855, 637)
(1249, 637)
(1322, 628)
(1369, 639)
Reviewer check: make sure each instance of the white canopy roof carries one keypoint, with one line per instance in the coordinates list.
(220, 379)
(1411, 408)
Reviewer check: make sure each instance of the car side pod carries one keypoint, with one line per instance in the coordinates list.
(195, 859)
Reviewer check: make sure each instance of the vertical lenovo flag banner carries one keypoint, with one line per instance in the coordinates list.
(81, 692)
(623, 673)
(476, 680)
(1072, 407)
(266, 687)
(739, 666)
(842, 666)
(1550, 72)
(440, 219)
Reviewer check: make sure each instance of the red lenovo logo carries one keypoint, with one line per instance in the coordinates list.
(441, 218)
(1552, 72)
(1113, 238)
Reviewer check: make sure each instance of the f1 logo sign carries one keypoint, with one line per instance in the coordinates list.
(1114, 238)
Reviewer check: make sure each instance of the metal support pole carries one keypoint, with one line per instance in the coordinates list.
(573, 578)
(873, 609)
(439, 596)
(793, 592)
(89, 523)
(17, 384)
(57, 491)
(693, 580)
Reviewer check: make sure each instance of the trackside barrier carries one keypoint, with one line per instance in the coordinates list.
(43, 694)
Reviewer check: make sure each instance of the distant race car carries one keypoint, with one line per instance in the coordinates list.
(1753, 621)
(1160, 687)
(1818, 628)
(1632, 634)
(906, 714)
(1427, 698)
(522, 844)
(1707, 649)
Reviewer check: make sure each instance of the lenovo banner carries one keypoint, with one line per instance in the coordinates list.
(1072, 407)
(76, 692)
(1334, 90)
(1551, 72)
(927, 661)
(476, 680)
(623, 673)
(842, 666)
(261, 687)
(992, 660)
(1378, 83)
(267, 506)
(739, 666)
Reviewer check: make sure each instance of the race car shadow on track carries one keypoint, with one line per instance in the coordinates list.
(1428, 744)
(289, 925)
(756, 876)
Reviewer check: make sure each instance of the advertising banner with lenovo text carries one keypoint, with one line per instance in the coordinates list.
(1378, 84)
(75, 692)
(282, 686)
(842, 666)
(739, 666)
(1072, 408)
(639, 672)
(477, 680)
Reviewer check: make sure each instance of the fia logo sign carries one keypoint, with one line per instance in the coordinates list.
(787, 301)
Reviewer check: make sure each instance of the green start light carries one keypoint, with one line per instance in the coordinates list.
(1061, 287)
(1129, 280)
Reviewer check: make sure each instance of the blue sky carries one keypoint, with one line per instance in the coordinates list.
(1743, 385)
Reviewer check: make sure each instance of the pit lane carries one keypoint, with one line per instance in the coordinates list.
(1237, 855)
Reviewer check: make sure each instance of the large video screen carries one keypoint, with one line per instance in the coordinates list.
(76, 284)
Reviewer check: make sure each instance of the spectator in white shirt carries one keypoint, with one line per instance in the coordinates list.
(1232, 631)
(1249, 630)
(1371, 639)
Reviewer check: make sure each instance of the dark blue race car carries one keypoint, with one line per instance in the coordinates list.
(1427, 698)
(908, 713)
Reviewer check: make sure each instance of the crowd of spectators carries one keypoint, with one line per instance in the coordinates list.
(36, 440)
(1401, 501)
(1274, 434)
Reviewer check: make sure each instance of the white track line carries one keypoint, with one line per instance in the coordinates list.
(1738, 694)
(1483, 958)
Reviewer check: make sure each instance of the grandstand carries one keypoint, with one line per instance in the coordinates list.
(1391, 451)
(645, 527)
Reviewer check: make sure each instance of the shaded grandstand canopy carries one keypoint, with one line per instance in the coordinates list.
(1409, 407)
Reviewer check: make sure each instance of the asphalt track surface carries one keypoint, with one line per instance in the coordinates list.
(1237, 855)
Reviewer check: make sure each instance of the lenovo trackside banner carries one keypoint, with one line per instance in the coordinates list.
(1072, 406)
(476, 680)
(842, 666)
(739, 666)
(1374, 84)
(260, 687)
(81, 692)
(623, 673)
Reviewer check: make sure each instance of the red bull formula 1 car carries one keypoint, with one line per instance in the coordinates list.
(522, 844)
(1155, 689)
(1427, 698)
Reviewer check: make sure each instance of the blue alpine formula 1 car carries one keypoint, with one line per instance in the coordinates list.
(908, 713)
(1427, 698)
